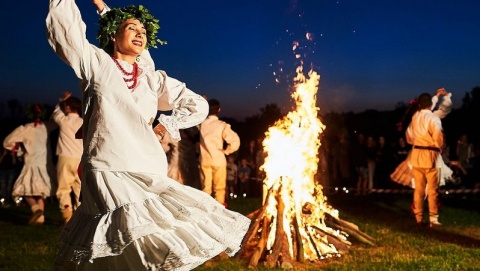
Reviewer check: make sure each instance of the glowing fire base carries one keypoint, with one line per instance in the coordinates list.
(307, 238)
(295, 224)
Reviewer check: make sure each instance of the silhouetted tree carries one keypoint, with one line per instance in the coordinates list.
(14, 107)
(462, 120)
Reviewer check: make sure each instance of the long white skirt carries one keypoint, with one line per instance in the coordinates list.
(138, 222)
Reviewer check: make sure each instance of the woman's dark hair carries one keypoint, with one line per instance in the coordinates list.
(407, 116)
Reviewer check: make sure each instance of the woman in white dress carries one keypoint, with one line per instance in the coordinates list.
(34, 182)
(132, 216)
(403, 172)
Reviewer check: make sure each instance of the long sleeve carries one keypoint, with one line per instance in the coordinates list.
(188, 108)
(13, 138)
(445, 106)
(232, 139)
(68, 145)
(66, 33)
(58, 115)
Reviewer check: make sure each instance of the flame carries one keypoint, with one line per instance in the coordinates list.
(291, 146)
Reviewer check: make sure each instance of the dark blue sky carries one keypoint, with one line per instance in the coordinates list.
(369, 54)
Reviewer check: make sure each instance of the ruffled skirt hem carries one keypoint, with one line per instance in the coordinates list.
(403, 173)
(177, 229)
(33, 181)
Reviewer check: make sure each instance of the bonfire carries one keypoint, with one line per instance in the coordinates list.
(295, 223)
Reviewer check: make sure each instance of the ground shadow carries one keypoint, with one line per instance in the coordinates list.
(393, 211)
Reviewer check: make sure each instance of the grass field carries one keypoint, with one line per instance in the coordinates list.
(400, 245)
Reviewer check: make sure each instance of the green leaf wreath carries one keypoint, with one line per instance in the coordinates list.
(111, 20)
(35, 111)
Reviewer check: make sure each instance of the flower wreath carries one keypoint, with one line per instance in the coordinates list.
(35, 111)
(111, 20)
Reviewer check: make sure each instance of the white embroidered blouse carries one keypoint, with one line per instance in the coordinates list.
(117, 121)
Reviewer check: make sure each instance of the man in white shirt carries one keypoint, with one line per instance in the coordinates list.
(214, 133)
(69, 151)
(425, 134)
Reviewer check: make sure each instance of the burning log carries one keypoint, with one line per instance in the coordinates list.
(299, 252)
(349, 228)
(281, 246)
(258, 251)
(252, 245)
(341, 245)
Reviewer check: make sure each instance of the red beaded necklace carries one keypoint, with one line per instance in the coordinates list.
(128, 76)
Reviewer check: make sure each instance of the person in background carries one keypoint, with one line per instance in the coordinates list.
(259, 160)
(384, 163)
(182, 158)
(401, 150)
(34, 182)
(8, 163)
(403, 172)
(244, 172)
(232, 176)
(464, 152)
(69, 151)
(249, 152)
(474, 172)
(132, 215)
(425, 134)
(260, 174)
(359, 161)
(340, 159)
(214, 133)
(371, 149)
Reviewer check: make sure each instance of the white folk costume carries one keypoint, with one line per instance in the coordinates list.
(132, 216)
(69, 152)
(403, 172)
(38, 171)
(214, 133)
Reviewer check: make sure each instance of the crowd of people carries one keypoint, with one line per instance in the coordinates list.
(209, 157)
(369, 166)
(367, 163)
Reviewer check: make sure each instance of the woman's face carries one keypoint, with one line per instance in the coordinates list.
(130, 38)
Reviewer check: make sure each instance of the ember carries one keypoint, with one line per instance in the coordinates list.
(295, 223)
